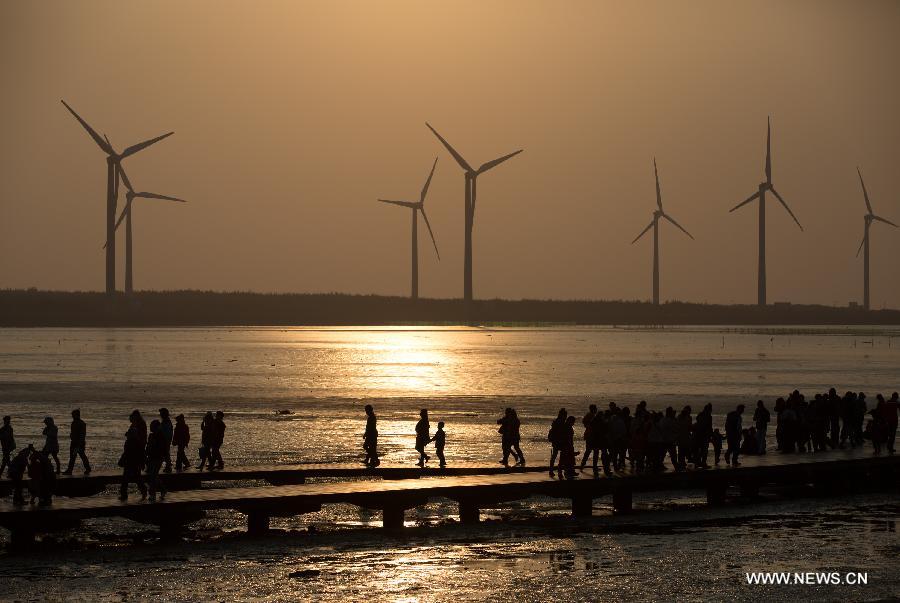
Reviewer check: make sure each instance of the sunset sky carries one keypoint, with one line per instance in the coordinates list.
(291, 118)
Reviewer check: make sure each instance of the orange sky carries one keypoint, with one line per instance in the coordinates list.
(292, 117)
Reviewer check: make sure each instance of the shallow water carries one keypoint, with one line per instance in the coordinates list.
(674, 547)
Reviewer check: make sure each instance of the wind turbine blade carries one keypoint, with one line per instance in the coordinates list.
(880, 219)
(494, 163)
(861, 243)
(428, 182)
(680, 227)
(643, 232)
(402, 203)
(658, 194)
(125, 210)
(146, 195)
(457, 156)
(143, 145)
(865, 192)
(769, 150)
(104, 145)
(431, 232)
(124, 177)
(745, 202)
(772, 188)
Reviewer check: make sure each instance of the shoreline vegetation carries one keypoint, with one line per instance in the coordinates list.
(187, 308)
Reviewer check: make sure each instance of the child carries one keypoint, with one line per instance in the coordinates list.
(439, 439)
(717, 439)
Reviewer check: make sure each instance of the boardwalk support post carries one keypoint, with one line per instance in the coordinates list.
(622, 500)
(21, 536)
(392, 517)
(468, 512)
(257, 522)
(715, 493)
(582, 505)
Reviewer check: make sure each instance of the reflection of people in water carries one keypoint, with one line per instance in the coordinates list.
(370, 438)
(423, 436)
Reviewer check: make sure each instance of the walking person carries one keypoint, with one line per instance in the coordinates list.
(218, 438)
(181, 436)
(555, 434)
(733, 434)
(515, 437)
(7, 443)
(168, 433)
(423, 436)
(206, 439)
(567, 449)
(702, 435)
(588, 420)
(890, 410)
(134, 456)
(761, 418)
(156, 456)
(440, 440)
(17, 468)
(78, 442)
(51, 440)
(370, 438)
(684, 437)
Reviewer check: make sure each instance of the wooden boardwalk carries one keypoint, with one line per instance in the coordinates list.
(831, 471)
(276, 475)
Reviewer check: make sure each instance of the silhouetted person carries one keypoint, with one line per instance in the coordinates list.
(598, 442)
(733, 432)
(717, 439)
(51, 440)
(18, 466)
(7, 443)
(423, 436)
(761, 418)
(133, 456)
(156, 456)
(181, 437)
(554, 436)
(684, 437)
(77, 443)
(509, 437)
(218, 438)
(207, 430)
(703, 431)
(891, 411)
(168, 434)
(41, 478)
(588, 420)
(440, 440)
(567, 449)
(370, 438)
(668, 427)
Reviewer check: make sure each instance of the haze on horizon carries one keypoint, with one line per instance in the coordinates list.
(291, 118)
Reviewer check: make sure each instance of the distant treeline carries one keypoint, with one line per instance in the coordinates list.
(34, 308)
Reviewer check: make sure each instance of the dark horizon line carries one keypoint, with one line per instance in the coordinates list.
(425, 299)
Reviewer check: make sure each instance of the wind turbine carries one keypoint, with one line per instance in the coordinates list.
(654, 224)
(113, 161)
(130, 196)
(870, 217)
(471, 178)
(761, 195)
(418, 206)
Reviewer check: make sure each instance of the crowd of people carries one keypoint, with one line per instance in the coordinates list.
(612, 438)
(644, 439)
(146, 453)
